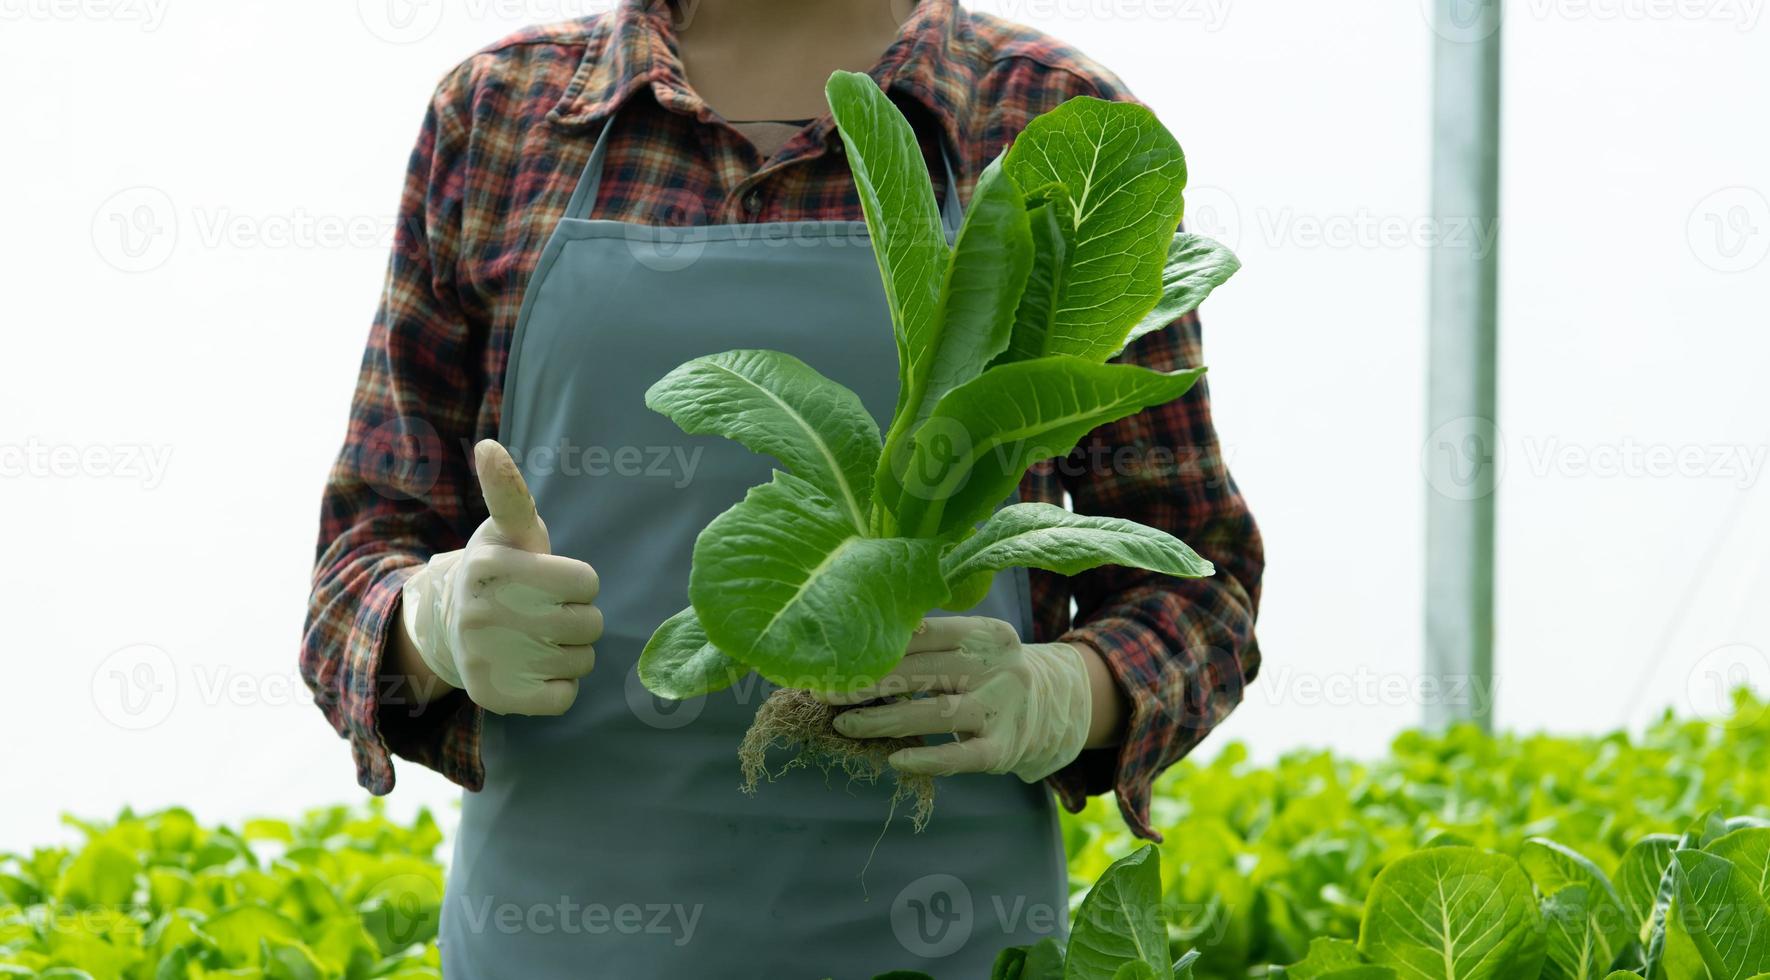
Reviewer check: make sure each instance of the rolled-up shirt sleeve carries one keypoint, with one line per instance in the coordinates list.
(401, 489)
(1182, 650)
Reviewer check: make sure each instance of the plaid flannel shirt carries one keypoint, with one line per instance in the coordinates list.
(499, 154)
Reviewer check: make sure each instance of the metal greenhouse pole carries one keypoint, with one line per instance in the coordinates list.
(1463, 455)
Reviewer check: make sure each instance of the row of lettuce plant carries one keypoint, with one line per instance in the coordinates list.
(1259, 860)
(1458, 855)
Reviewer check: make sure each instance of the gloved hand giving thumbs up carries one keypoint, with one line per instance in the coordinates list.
(503, 618)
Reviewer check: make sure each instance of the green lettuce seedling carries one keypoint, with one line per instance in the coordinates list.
(1068, 252)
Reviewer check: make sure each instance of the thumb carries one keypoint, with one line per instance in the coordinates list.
(515, 521)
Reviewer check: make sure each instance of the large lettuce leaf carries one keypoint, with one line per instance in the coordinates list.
(1121, 177)
(983, 284)
(902, 216)
(1454, 913)
(1118, 922)
(679, 662)
(774, 404)
(1722, 912)
(1050, 223)
(1556, 869)
(784, 582)
(1057, 540)
(984, 434)
(1576, 935)
(1196, 265)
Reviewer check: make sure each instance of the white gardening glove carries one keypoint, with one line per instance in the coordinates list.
(1019, 708)
(503, 618)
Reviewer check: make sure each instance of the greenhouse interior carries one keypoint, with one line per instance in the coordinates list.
(1301, 514)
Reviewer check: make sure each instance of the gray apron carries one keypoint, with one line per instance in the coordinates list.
(614, 841)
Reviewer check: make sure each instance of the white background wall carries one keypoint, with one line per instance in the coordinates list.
(197, 196)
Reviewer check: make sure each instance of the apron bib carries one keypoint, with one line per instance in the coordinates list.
(613, 841)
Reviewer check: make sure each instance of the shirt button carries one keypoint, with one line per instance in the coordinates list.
(753, 203)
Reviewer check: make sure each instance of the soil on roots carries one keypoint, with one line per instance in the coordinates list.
(795, 720)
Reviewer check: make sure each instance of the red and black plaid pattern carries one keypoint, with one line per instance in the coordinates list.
(500, 152)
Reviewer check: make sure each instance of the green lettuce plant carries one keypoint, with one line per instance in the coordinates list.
(341, 892)
(1688, 907)
(1262, 859)
(1067, 253)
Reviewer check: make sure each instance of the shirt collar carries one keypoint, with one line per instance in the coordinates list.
(634, 48)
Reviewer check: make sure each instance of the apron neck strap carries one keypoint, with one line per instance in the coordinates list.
(584, 198)
(952, 213)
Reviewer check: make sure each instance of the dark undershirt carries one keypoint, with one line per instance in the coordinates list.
(769, 135)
